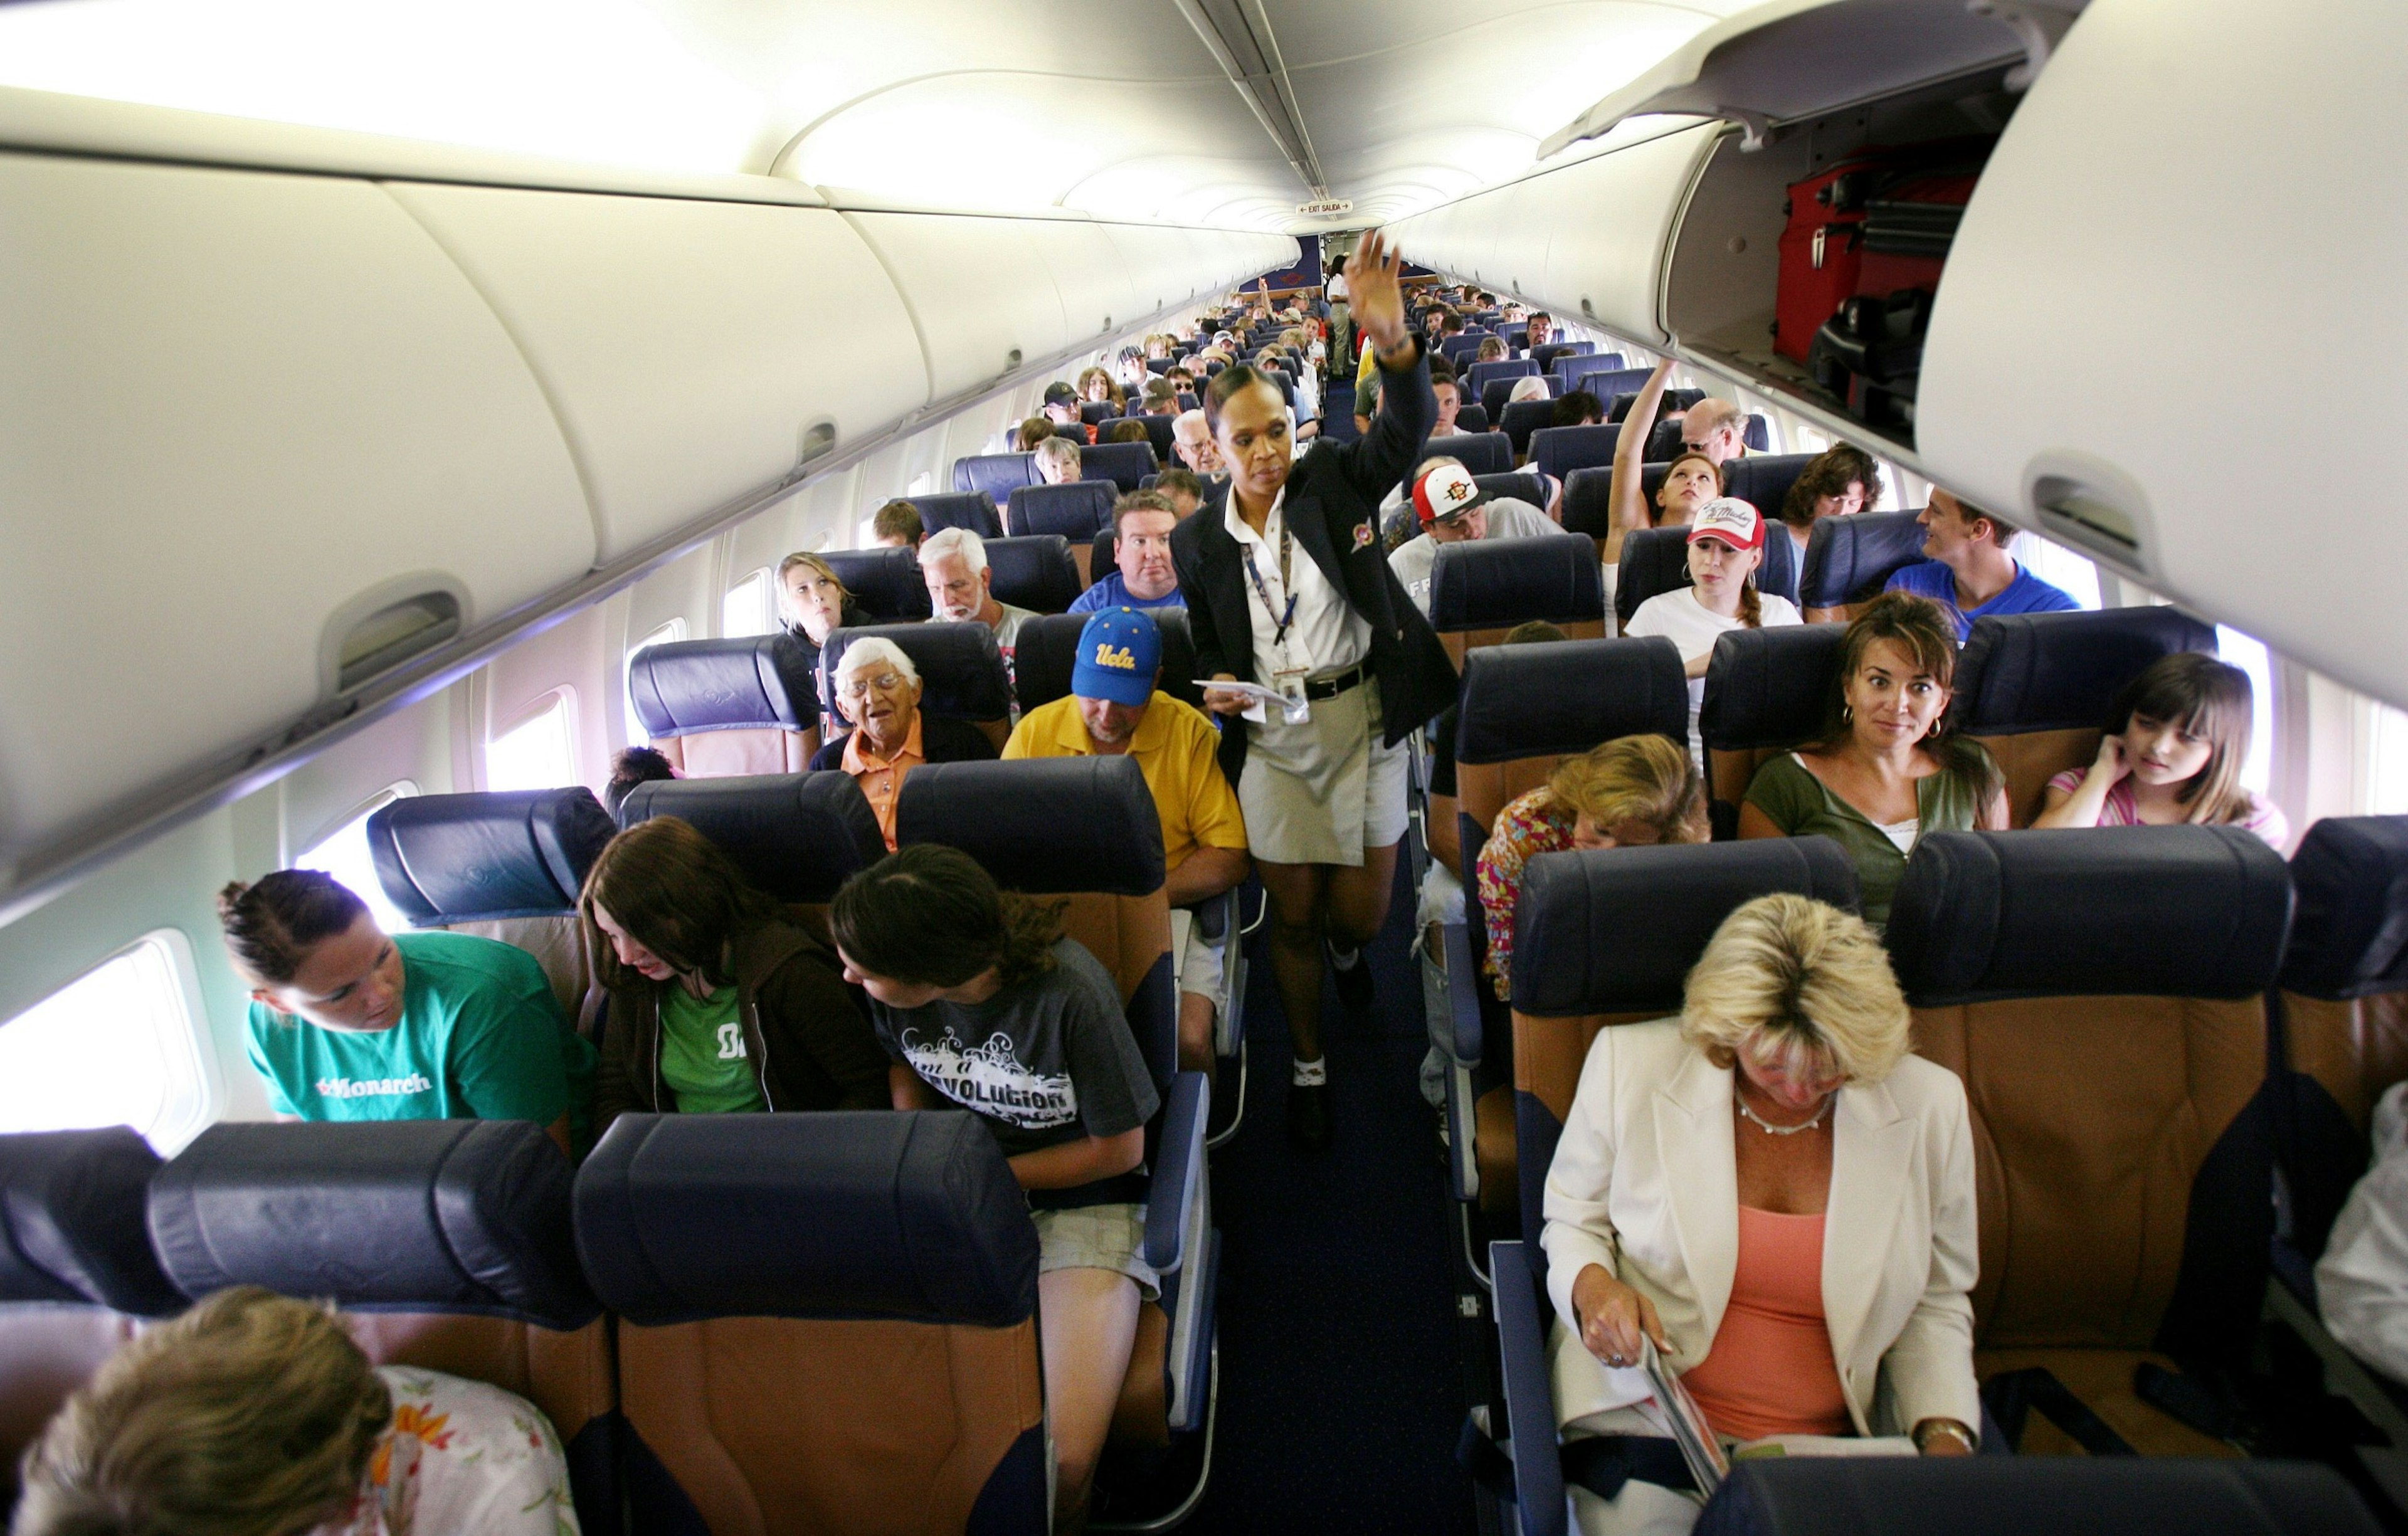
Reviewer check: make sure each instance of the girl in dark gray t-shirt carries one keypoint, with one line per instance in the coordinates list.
(982, 1003)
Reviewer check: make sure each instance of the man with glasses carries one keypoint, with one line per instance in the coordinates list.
(877, 691)
(1715, 428)
(1142, 525)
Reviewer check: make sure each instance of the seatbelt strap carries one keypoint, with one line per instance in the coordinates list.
(1603, 1463)
(2188, 1400)
(2012, 1394)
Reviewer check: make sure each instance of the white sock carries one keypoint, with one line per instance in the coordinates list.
(1345, 959)
(1312, 1073)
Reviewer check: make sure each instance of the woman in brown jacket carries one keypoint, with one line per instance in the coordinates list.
(718, 1003)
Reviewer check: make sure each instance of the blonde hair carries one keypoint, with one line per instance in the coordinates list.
(1060, 452)
(253, 1415)
(1794, 980)
(1648, 779)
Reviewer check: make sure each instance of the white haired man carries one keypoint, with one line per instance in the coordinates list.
(878, 691)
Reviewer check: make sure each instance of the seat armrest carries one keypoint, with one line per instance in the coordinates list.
(1463, 981)
(1463, 1132)
(1213, 914)
(1178, 1172)
(1522, 1314)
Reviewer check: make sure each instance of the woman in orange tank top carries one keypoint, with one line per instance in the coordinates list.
(1778, 1197)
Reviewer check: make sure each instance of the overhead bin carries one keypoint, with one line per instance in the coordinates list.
(1584, 240)
(2211, 177)
(245, 419)
(693, 351)
(1090, 277)
(981, 290)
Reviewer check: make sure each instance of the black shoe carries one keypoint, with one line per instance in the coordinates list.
(1354, 993)
(1307, 1115)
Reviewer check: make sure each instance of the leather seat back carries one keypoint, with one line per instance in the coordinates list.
(504, 866)
(1118, 466)
(827, 1322)
(1482, 452)
(746, 706)
(1602, 381)
(1559, 451)
(447, 1244)
(75, 1271)
(1476, 378)
(1517, 484)
(1518, 419)
(1037, 573)
(971, 510)
(2343, 1018)
(998, 475)
(1481, 589)
(1849, 559)
(797, 836)
(960, 666)
(1608, 937)
(885, 582)
(1766, 695)
(1559, 358)
(2035, 687)
(1047, 650)
(1076, 512)
(2102, 993)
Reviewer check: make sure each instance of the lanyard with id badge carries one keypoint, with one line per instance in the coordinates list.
(1287, 682)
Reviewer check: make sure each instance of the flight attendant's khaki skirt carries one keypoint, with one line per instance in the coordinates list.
(1323, 791)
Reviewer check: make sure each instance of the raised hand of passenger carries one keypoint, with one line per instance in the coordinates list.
(1612, 1316)
(2110, 765)
(1379, 299)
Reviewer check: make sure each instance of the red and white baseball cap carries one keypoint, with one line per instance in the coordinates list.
(1735, 522)
(1447, 493)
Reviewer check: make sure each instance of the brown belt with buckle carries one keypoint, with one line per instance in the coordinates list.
(1329, 687)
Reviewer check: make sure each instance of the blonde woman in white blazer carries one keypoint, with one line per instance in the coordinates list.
(1777, 1128)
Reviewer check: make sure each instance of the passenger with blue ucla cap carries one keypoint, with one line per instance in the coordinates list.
(1115, 708)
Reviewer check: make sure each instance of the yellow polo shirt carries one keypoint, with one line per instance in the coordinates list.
(1175, 747)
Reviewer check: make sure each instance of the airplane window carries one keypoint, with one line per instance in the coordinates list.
(535, 754)
(745, 609)
(116, 1046)
(2388, 772)
(2251, 656)
(672, 630)
(344, 854)
(2061, 568)
(923, 483)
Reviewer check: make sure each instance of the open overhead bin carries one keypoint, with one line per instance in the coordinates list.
(695, 351)
(2186, 184)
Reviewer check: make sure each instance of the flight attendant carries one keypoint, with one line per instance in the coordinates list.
(1288, 589)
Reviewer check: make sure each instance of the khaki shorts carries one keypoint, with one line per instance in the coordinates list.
(1096, 1237)
(1199, 962)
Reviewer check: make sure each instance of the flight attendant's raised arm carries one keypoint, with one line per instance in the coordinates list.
(1384, 454)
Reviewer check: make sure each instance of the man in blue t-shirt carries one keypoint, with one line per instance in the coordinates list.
(1970, 572)
(1141, 524)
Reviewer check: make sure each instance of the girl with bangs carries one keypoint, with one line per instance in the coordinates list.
(2175, 743)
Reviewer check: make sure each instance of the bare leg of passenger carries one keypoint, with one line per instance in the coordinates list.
(1297, 893)
(1089, 1321)
(1357, 903)
(1196, 1036)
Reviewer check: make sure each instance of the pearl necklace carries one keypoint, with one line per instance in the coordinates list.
(1771, 1129)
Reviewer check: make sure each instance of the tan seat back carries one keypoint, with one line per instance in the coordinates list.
(735, 754)
(724, 708)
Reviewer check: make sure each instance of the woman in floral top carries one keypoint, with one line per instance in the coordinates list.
(255, 1414)
(1627, 793)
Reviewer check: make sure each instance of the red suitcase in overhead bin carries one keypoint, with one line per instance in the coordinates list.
(1874, 224)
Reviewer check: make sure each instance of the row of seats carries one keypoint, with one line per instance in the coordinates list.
(1124, 464)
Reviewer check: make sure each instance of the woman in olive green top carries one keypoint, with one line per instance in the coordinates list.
(1887, 770)
(718, 1003)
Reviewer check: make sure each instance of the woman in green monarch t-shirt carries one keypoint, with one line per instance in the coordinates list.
(1889, 770)
(719, 1004)
(350, 1023)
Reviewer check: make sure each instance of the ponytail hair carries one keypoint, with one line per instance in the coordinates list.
(930, 916)
(272, 924)
(2208, 698)
(1751, 605)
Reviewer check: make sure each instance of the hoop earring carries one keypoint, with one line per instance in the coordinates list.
(1847, 713)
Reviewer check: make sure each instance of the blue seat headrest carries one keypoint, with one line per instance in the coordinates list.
(1589, 500)
(1617, 930)
(395, 1215)
(1041, 825)
(1655, 561)
(1619, 404)
(1048, 649)
(995, 474)
(2062, 671)
(1605, 382)
(1770, 687)
(797, 836)
(1075, 510)
(1519, 419)
(474, 858)
(1849, 559)
(1482, 452)
(2142, 911)
(2351, 937)
(1516, 484)
(72, 1221)
(1560, 450)
(2018, 1495)
(971, 510)
(913, 1216)
(1120, 465)
(760, 682)
(885, 582)
(1763, 479)
(1498, 583)
(1034, 572)
(961, 669)
(1546, 700)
